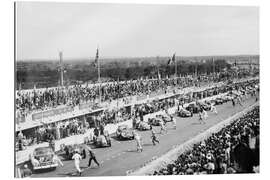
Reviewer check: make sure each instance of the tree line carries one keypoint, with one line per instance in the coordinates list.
(46, 74)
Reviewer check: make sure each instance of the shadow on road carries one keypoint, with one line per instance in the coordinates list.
(70, 174)
(148, 144)
(196, 123)
(131, 151)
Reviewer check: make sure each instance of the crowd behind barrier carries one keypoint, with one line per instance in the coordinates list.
(36, 100)
(79, 125)
(234, 149)
(179, 100)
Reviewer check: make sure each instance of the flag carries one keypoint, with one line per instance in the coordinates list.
(159, 77)
(235, 62)
(172, 60)
(96, 59)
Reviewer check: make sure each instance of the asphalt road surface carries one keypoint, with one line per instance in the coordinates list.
(122, 156)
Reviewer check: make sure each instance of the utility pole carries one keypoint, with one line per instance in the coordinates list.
(196, 70)
(175, 67)
(213, 66)
(99, 83)
(61, 69)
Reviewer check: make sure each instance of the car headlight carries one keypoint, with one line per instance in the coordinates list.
(35, 162)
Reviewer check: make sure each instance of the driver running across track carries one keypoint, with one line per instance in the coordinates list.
(77, 158)
(138, 140)
(213, 109)
(162, 127)
(205, 115)
(201, 117)
(92, 156)
(154, 136)
(173, 121)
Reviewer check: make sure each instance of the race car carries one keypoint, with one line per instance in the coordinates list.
(103, 141)
(217, 101)
(43, 158)
(205, 106)
(166, 118)
(184, 113)
(222, 99)
(124, 133)
(143, 126)
(70, 150)
(227, 98)
(155, 121)
(193, 107)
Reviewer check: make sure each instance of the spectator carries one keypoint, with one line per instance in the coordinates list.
(25, 171)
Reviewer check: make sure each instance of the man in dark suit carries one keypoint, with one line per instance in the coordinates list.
(92, 156)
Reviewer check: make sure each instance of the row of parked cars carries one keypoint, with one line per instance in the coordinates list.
(123, 132)
(195, 107)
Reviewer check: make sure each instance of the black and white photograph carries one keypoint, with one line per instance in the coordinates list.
(115, 89)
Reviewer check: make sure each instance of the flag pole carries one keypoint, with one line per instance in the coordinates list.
(99, 91)
(117, 92)
(61, 69)
(213, 66)
(175, 63)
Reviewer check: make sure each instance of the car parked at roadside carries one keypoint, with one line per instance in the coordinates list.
(43, 158)
(123, 132)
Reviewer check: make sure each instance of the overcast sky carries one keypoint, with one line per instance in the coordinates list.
(124, 30)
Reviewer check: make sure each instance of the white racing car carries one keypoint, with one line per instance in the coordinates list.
(43, 158)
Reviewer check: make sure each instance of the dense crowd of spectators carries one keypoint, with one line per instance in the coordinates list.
(43, 99)
(234, 149)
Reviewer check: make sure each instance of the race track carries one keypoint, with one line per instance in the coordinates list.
(122, 156)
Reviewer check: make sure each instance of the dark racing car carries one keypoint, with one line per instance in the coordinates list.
(184, 113)
(205, 106)
(217, 101)
(193, 107)
(103, 141)
(123, 132)
(166, 118)
(143, 126)
(155, 121)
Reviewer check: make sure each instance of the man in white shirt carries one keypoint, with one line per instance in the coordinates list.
(137, 138)
(57, 160)
(213, 109)
(77, 158)
(173, 121)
